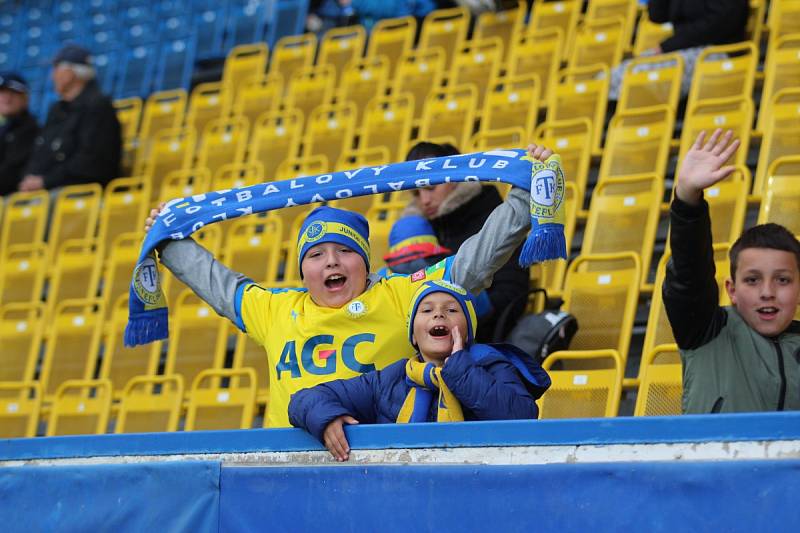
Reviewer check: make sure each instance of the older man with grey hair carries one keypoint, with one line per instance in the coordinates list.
(81, 139)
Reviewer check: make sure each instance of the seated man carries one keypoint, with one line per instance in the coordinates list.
(469, 381)
(81, 141)
(745, 357)
(17, 130)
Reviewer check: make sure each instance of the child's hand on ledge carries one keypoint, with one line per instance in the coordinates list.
(334, 437)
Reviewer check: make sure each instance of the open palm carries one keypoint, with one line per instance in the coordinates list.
(702, 165)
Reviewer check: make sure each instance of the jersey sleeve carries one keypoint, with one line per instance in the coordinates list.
(252, 305)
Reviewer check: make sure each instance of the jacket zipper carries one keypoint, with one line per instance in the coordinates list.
(782, 397)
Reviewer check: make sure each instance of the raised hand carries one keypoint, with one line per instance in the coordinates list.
(702, 165)
(539, 152)
(151, 219)
(458, 342)
(334, 437)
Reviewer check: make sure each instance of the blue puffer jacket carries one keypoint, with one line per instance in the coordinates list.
(491, 381)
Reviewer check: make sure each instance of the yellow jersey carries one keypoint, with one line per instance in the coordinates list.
(307, 344)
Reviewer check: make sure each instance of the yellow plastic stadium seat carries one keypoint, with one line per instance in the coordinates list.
(76, 272)
(572, 139)
(171, 150)
(563, 16)
(604, 301)
(122, 255)
(734, 113)
(209, 101)
(197, 339)
(781, 202)
(581, 93)
(379, 228)
(75, 215)
(212, 406)
(650, 34)
(275, 139)
(419, 73)
(253, 247)
(366, 157)
(637, 142)
(387, 125)
(755, 21)
(661, 383)
(293, 218)
(244, 63)
(503, 138)
(121, 363)
(724, 77)
(450, 112)
(506, 25)
(642, 87)
(292, 54)
(258, 95)
(23, 273)
(605, 9)
(298, 167)
(72, 345)
(623, 217)
(599, 42)
(363, 80)
(727, 202)
(590, 391)
(539, 54)
(20, 403)
(340, 47)
(446, 29)
(20, 338)
(150, 404)
(781, 71)
(236, 175)
(477, 63)
(659, 330)
(81, 407)
(311, 87)
(210, 238)
(25, 218)
(550, 274)
(129, 113)
(223, 141)
(126, 203)
(331, 131)
(248, 354)
(392, 38)
(512, 102)
(784, 20)
(163, 110)
(184, 182)
(781, 134)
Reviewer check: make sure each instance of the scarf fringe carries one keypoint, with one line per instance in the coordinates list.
(147, 327)
(545, 242)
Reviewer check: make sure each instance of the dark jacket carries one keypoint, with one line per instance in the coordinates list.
(727, 366)
(80, 142)
(462, 216)
(16, 144)
(492, 382)
(700, 22)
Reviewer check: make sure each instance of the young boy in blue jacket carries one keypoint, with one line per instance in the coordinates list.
(451, 378)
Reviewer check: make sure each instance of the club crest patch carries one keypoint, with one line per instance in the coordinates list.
(356, 309)
(547, 189)
(146, 284)
(315, 231)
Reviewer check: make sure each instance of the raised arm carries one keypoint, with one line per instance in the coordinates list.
(485, 252)
(690, 291)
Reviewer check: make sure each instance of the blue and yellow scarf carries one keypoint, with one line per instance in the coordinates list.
(426, 380)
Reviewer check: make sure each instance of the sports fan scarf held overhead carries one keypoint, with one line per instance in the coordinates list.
(147, 318)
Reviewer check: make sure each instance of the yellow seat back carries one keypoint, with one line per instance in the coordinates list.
(215, 406)
(450, 112)
(293, 53)
(392, 38)
(387, 125)
(446, 29)
(275, 139)
(419, 73)
(661, 386)
(581, 93)
(539, 54)
(25, 218)
(20, 404)
(150, 404)
(80, 407)
(651, 81)
(23, 273)
(591, 391)
(21, 329)
(340, 47)
(781, 134)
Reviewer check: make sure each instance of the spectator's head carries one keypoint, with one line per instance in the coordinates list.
(333, 255)
(13, 94)
(437, 308)
(429, 199)
(765, 278)
(72, 70)
(413, 245)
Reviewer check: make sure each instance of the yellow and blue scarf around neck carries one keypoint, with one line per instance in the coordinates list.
(426, 381)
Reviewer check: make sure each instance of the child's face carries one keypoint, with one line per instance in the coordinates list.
(766, 290)
(437, 315)
(334, 274)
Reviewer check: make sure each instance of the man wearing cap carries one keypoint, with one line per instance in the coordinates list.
(18, 129)
(81, 140)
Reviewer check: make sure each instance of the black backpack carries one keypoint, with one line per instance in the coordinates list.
(539, 334)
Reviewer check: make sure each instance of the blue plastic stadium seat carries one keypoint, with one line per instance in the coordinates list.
(102, 22)
(246, 25)
(175, 27)
(69, 10)
(138, 14)
(209, 27)
(103, 41)
(287, 17)
(175, 64)
(171, 8)
(71, 30)
(136, 72)
(107, 7)
(106, 65)
(141, 33)
(8, 21)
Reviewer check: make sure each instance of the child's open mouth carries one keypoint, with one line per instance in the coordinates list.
(335, 281)
(439, 331)
(767, 313)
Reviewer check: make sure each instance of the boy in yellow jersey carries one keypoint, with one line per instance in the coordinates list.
(345, 321)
